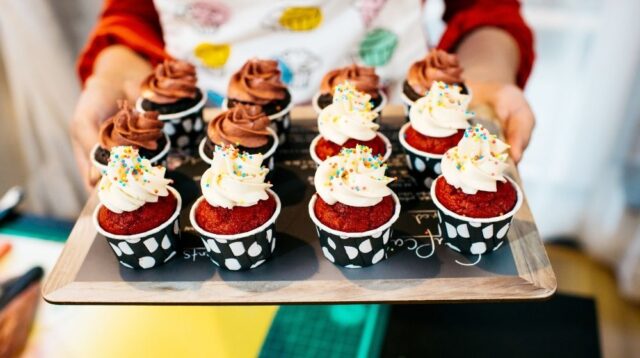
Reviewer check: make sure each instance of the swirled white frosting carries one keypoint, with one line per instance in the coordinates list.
(441, 112)
(354, 177)
(477, 163)
(349, 116)
(235, 178)
(130, 181)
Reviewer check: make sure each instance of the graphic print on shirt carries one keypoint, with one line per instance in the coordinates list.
(294, 18)
(377, 47)
(297, 66)
(213, 56)
(369, 9)
(206, 16)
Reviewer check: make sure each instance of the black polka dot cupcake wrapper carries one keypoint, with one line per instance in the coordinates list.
(474, 236)
(268, 161)
(185, 129)
(424, 167)
(149, 249)
(354, 250)
(243, 251)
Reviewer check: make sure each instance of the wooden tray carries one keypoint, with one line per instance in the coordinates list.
(418, 269)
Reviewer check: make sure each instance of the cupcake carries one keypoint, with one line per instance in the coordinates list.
(236, 215)
(353, 209)
(259, 82)
(437, 122)
(437, 65)
(346, 123)
(138, 210)
(475, 200)
(171, 90)
(128, 127)
(363, 78)
(244, 126)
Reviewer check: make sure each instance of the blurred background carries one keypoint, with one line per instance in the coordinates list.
(581, 171)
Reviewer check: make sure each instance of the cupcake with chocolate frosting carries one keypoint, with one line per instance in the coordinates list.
(172, 91)
(245, 127)
(363, 78)
(259, 82)
(129, 127)
(437, 65)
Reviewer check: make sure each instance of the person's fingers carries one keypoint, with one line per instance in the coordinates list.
(518, 131)
(132, 91)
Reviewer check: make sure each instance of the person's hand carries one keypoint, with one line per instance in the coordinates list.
(511, 108)
(117, 73)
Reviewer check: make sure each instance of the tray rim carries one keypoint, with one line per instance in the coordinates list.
(536, 279)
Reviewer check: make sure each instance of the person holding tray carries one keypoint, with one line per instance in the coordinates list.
(491, 40)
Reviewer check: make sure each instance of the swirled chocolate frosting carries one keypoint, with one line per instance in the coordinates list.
(364, 78)
(170, 82)
(257, 82)
(438, 65)
(131, 128)
(243, 125)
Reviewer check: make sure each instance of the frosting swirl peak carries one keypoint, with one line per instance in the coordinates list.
(170, 82)
(441, 112)
(349, 116)
(354, 177)
(243, 125)
(477, 163)
(437, 65)
(257, 82)
(234, 179)
(130, 181)
(129, 127)
(365, 79)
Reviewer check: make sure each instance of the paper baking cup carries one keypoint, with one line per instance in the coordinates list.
(474, 235)
(424, 167)
(377, 109)
(241, 251)
(159, 159)
(280, 121)
(354, 249)
(185, 128)
(150, 248)
(268, 160)
(318, 161)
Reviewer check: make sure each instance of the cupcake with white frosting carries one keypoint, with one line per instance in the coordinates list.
(437, 122)
(476, 201)
(346, 123)
(354, 208)
(236, 214)
(138, 210)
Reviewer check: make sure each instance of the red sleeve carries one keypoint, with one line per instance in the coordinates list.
(132, 23)
(463, 16)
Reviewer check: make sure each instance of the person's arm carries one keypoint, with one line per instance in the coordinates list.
(495, 48)
(125, 43)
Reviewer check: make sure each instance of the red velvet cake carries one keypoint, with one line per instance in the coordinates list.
(147, 217)
(354, 219)
(483, 204)
(325, 148)
(239, 219)
(433, 145)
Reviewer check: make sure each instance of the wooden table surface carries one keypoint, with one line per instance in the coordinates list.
(535, 278)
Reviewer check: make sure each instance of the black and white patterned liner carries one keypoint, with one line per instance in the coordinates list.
(318, 161)
(354, 250)
(424, 167)
(280, 122)
(148, 249)
(377, 109)
(242, 251)
(268, 160)
(159, 159)
(475, 236)
(186, 128)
